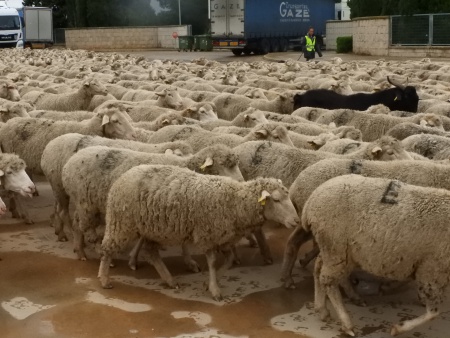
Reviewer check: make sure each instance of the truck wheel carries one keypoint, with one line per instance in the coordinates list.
(237, 52)
(283, 45)
(274, 45)
(247, 51)
(263, 47)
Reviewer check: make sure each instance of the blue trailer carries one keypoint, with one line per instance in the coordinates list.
(263, 26)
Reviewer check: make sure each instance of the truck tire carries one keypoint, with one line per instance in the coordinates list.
(263, 47)
(247, 51)
(275, 45)
(237, 52)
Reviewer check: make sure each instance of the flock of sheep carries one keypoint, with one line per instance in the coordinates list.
(200, 154)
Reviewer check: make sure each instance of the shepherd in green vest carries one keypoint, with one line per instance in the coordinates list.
(310, 45)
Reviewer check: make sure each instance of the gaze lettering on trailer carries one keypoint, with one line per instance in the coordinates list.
(294, 12)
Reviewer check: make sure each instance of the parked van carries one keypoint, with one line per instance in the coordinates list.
(10, 28)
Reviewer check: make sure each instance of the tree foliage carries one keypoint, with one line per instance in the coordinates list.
(109, 13)
(360, 8)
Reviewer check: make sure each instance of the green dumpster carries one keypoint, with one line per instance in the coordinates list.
(203, 43)
(185, 43)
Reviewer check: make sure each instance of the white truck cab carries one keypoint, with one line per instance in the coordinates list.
(10, 28)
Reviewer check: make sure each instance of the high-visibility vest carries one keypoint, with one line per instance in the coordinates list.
(310, 43)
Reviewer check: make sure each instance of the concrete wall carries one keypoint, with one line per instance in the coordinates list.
(336, 29)
(121, 38)
(371, 37)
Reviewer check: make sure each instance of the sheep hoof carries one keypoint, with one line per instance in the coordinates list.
(268, 261)
(83, 259)
(359, 302)
(324, 314)
(237, 261)
(396, 330)
(36, 193)
(28, 221)
(133, 266)
(62, 237)
(348, 332)
(218, 298)
(107, 285)
(288, 283)
(112, 265)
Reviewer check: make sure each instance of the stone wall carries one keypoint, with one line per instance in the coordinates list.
(371, 37)
(124, 38)
(337, 29)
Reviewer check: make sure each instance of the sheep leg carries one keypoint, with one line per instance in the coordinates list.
(191, 264)
(331, 275)
(309, 256)
(213, 287)
(62, 217)
(320, 295)
(227, 251)
(296, 239)
(263, 246)
(18, 209)
(132, 262)
(103, 271)
(351, 293)
(236, 259)
(78, 238)
(251, 241)
(158, 264)
(431, 283)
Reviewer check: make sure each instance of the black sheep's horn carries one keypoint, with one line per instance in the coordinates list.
(398, 85)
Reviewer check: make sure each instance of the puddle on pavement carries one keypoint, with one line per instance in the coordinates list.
(21, 308)
(98, 298)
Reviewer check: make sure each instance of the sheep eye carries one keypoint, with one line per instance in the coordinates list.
(253, 119)
(9, 172)
(115, 121)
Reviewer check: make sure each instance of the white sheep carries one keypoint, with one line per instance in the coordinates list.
(11, 109)
(267, 159)
(201, 216)
(28, 137)
(59, 150)
(387, 228)
(9, 91)
(78, 100)
(101, 166)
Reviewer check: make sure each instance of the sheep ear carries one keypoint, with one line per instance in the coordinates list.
(1, 173)
(263, 197)
(3, 110)
(246, 117)
(423, 123)
(208, 162)
(169, 152)
(261, 133)
(86, 84)
(249, 95)
(105, 120)
(376, 151)
(193, 109)
(332, 125)
(213, 105)
(165, 122)
(315, 144)
(162, 94)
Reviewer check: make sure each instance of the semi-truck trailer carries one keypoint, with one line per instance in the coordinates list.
(263, 26)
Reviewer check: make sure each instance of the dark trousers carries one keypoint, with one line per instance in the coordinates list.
(310, 55)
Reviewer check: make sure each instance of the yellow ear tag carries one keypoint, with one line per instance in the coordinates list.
(262, 200)
(203, 167)
(396, 98)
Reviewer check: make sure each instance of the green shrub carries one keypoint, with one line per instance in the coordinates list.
(344, 44)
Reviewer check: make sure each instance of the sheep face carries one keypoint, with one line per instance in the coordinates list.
(116, 124)
(14, 178)
(267, 132)
(203, 112)
(230, 80)
(2, 207)
(432, 121)
(278, 207)
(94, 87)
(169, 119)
(16, 110)
(388, 149)
(219, 160)
(13, 92)
(171, 98)
(256, 94)
(251, 118)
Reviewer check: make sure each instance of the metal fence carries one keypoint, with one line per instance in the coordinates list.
(420, 30)
(59, 36)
